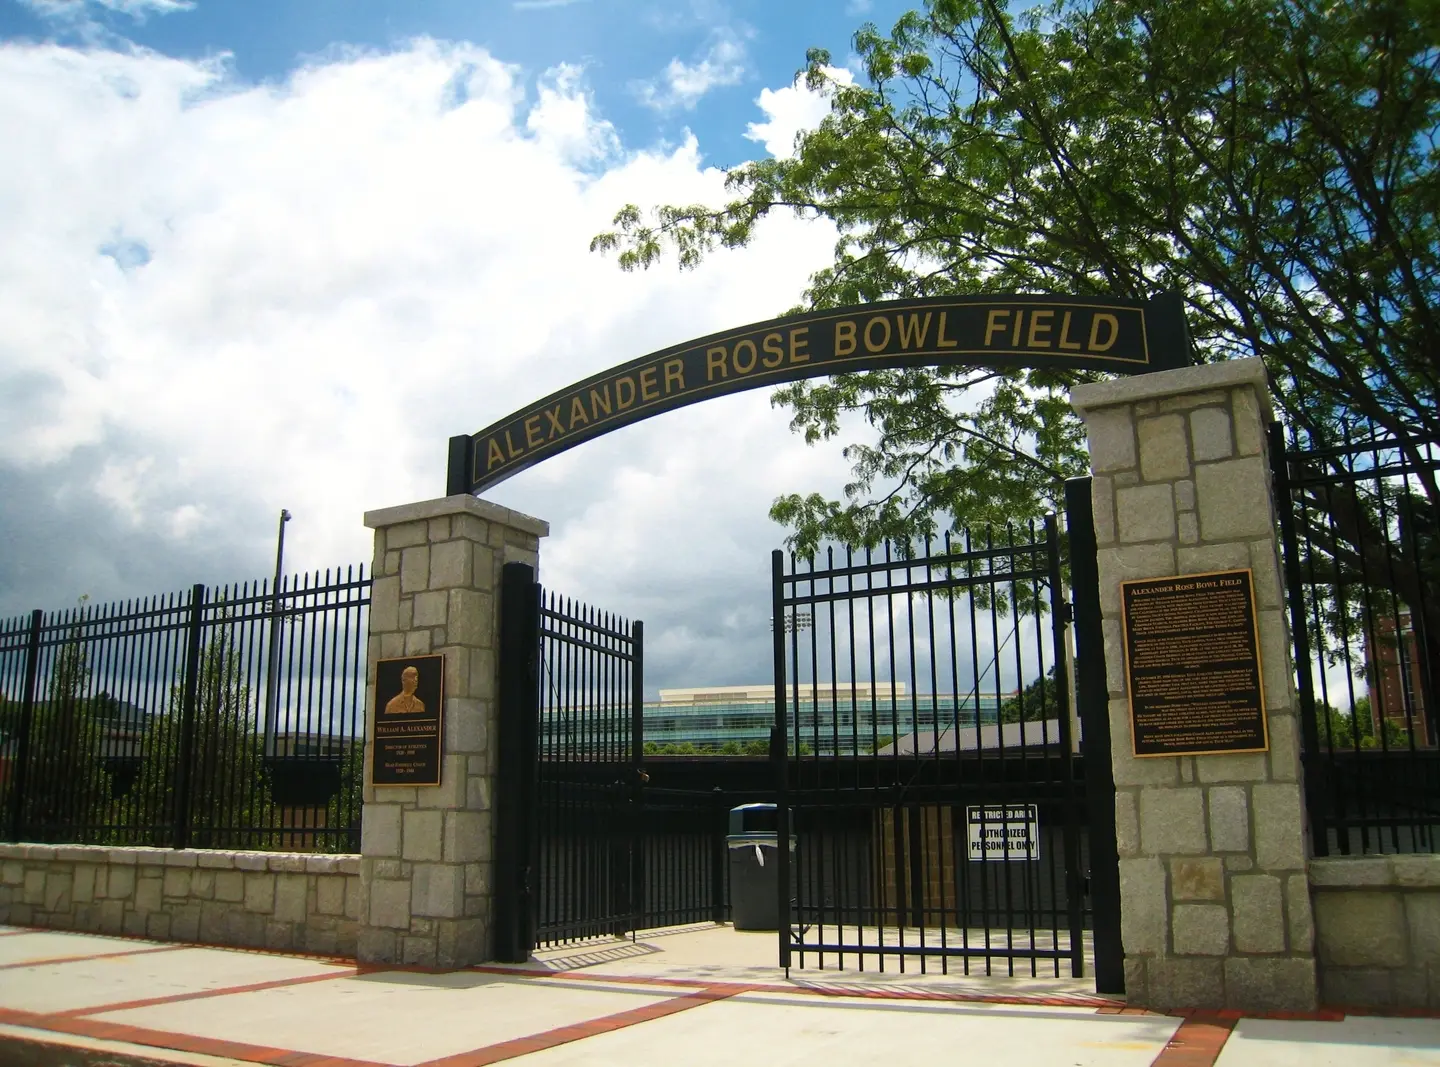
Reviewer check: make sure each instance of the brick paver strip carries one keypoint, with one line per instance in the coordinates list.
(92, 956)
(201, 994)
(73, 1023)
(1198, 1041)
(166, 1039)
(523, 1046)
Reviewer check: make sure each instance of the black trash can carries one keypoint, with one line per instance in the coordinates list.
(752, 845)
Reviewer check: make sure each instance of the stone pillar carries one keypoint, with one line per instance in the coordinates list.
(1215, 905)
(426, 851)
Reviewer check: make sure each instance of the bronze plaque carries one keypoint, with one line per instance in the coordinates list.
(1192, 665)
(409, 716)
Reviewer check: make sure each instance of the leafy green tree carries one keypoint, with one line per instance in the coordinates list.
(1271, 160)
(1038, 700)
(1350, 730)
(758, 747)
(67, 788)
(9, 717)
(342, 811)
(228, 781)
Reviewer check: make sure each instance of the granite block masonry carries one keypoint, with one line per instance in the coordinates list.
(276, 900)
(1377, 924)
(1215, 902)
(426, 852)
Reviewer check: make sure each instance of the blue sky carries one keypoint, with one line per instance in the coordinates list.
(265, 255)
(623, 45)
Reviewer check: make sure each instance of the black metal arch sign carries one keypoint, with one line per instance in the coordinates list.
(1086, 333)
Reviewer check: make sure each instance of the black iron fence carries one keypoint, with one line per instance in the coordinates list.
(584, 848)
(569, 738)
(958, 842)
(1362, 567)
(590, 685)
(226, 717)
(683, 858)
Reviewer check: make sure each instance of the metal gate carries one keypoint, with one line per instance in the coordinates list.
(583, 848)
(569, 776)
(927, 759)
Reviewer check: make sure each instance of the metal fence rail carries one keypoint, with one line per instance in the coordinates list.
(583, 848)
(590, 685)
(1362, 575)
(682, 857)
(592, 672)
(228, 717)
(885, 864)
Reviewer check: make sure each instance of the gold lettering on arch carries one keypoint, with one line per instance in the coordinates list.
(1020, 330)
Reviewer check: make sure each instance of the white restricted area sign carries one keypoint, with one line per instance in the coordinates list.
(990, 827)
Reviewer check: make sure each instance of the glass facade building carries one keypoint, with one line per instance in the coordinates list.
(845, 718)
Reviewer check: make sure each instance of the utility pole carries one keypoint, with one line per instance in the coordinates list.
(272, 679)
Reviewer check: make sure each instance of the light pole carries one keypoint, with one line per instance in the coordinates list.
(800, 621)
(272, 681)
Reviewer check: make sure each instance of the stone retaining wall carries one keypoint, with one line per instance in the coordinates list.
(1377, 921)
(279, 900)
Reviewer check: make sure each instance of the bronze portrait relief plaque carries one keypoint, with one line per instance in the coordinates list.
(409, 718)
(1192, 665)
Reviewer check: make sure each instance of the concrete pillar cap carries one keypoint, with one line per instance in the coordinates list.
(1167, 383)
(461, 504)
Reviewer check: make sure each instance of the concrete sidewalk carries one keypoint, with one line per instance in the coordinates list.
(696, 997)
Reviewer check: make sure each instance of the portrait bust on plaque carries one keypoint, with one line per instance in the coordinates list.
(406, 702)
(409, 702)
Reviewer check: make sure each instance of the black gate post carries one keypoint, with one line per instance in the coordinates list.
(719, 855)
(1092, 699)
(184, 786)
(518, 715)
(1060, 614)
(637, 699)
(27, 716)
(635, 845)
(1310, 763)
(779, 754)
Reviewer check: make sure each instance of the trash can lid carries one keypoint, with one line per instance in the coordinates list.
(747, 817)
(757, 837)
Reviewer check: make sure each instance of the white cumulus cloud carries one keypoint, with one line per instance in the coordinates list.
(791, 111)
(220, 299)
(136, 9)
(681, 85)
